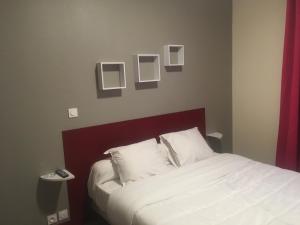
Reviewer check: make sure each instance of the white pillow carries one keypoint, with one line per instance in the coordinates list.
(186, 146)
(101, 172)
(138, 161)
(164, 151)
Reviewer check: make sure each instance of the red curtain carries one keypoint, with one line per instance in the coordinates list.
(288, 145)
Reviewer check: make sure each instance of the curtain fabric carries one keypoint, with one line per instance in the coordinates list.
(288, 145)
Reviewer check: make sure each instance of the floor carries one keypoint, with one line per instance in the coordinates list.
(97, 221)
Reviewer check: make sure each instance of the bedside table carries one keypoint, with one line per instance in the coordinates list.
(53, 177)
(215, 141)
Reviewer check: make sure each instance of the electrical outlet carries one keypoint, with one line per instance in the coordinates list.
(63, 215)
(52, 219)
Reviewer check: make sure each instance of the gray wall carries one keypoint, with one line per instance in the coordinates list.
(48, 54)
(258, 33)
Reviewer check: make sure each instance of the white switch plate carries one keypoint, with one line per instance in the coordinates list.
(73, 112)
(52, 219)
(63, 215)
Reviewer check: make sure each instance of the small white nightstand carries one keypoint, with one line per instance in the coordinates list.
(53, 177)
(216, 135)
(214, 140)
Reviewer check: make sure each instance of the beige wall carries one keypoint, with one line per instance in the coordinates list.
(258, 32)
(48, 54)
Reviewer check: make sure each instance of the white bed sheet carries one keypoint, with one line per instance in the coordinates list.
(223, 190)
(100, 194)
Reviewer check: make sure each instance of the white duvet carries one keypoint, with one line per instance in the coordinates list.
(225, 189)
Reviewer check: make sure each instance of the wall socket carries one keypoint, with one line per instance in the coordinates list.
(52, 219)
(63, 215)
(56, 218)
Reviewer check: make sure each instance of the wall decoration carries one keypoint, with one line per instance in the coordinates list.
(148, 68)
(174, 55)
(113, 75)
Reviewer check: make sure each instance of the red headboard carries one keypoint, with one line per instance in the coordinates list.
(84, 146)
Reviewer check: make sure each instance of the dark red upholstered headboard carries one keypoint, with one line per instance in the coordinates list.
(84, 146)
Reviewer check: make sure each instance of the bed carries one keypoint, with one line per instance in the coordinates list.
(225, 189)
(222, 189)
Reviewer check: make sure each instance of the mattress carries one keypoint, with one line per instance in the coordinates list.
(101, 193)
(223, 190)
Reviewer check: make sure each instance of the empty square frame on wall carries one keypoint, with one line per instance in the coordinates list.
(148, 68)
(174, 55)
(113, 75)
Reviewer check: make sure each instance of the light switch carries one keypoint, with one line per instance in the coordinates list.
(73, 112)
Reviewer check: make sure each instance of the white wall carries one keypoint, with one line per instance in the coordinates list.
(258, 34)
